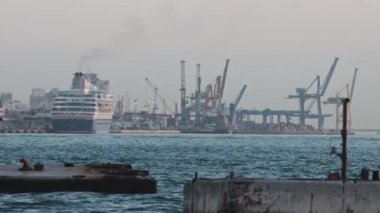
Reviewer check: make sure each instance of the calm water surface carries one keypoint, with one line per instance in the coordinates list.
(172, 160)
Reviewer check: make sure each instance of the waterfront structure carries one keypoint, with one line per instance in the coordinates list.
(84, 108)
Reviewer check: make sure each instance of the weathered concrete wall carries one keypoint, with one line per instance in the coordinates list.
(305, 196)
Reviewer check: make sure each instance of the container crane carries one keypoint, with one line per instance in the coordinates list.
(322, 91)
(351, 97)
(234, 105)
(303, 96)
(222, 86)
(337, 101)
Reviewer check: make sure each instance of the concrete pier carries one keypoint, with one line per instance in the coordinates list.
(107, 178)
(256, 195)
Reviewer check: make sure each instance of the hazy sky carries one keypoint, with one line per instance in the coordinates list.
(274, 47)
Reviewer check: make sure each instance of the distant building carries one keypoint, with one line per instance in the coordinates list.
(37, 99)
(40, 100)
(6, 98)
(50, 98)
(104, 86)
(19, 106)
(101, 85)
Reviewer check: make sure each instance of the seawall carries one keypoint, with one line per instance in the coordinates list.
(257, 195)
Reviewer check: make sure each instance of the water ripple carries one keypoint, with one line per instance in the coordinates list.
(172, 160)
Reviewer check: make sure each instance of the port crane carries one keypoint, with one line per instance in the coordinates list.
(303, 95)
(222, 86)
(337, 101)
(213, 95)
(158, 96)
(234, 105)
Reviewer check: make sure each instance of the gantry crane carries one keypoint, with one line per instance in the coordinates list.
(337, 101)
(303, 95)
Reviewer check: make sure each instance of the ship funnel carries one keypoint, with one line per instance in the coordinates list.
(80, 82)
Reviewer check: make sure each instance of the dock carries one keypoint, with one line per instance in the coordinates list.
(142, 132)
(105, 178)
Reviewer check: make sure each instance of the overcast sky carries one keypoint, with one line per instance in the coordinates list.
(274, 47)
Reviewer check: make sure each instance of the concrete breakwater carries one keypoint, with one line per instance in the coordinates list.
(255, 195)
(105, 178)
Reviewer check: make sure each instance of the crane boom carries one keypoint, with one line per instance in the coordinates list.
(323, 88)
(353, 84)
(312, 83)
(328, 77)
(224, 79)
(240, 95)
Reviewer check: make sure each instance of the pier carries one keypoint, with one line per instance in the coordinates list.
(105, 178)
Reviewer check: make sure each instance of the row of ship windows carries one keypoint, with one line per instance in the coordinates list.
(76, 95)
(74, 104)
(64, 99)
(75, 109)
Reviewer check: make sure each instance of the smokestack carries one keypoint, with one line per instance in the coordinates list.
(198, 98)
(183, 94)
(199, 77)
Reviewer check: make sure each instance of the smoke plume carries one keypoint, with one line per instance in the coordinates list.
(132, 31)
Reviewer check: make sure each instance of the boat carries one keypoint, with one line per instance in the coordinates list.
(84, 108)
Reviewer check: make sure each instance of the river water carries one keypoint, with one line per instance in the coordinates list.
(172, 160)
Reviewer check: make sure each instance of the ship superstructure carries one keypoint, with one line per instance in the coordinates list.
(84, 108)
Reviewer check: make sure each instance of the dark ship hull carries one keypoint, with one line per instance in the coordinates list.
(85, 126)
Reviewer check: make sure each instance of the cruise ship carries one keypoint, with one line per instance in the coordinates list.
(85, 108)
